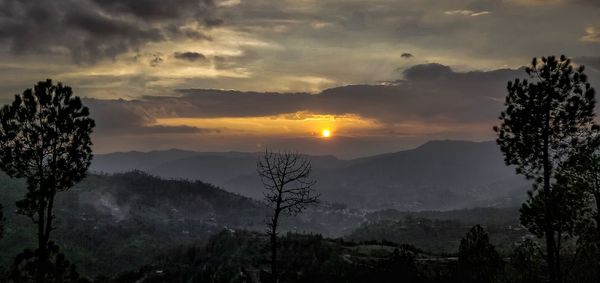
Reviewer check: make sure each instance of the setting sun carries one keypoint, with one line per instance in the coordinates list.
(326, 133)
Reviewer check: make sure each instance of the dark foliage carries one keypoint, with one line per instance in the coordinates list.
(582, 171)
(478, 261)
(584, 264)
(546, 117)
(1, 222)
(238, 256)
(57, 268)
(45, 138)
(435, 235)
(108, 224)
(525, 264)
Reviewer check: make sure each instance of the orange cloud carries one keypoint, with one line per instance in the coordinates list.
(299, 124)
(536, 2)
(591, 35)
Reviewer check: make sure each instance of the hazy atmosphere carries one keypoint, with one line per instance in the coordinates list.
(299, 141)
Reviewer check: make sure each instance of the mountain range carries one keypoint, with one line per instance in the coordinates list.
(438, 175)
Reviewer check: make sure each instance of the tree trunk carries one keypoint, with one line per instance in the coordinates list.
(551, 254)
(274, 271)
(49, 217)
(42, 244)
(597, 238)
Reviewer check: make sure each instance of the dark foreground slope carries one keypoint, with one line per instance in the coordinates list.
(239, 256)
(437, 175)
(109, 223)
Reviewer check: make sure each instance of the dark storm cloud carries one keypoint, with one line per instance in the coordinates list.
(428, 93)
(447, 31)
(589, 2)
(91, 30)
(120, 117)
(157, 10)
(428, 72)
(189, 56)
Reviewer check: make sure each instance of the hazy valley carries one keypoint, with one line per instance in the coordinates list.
(439, 175)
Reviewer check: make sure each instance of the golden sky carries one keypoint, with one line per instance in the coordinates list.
(381, 75)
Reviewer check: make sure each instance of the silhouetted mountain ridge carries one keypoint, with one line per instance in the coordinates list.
(444, 174)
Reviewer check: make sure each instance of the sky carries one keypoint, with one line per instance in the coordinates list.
(243, 75)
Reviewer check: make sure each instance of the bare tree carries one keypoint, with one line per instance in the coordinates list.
(289, 190)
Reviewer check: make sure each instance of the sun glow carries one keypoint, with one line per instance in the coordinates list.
(291, 125)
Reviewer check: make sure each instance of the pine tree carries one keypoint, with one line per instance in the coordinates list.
(544, 120)
(478, 260)
(45, 139)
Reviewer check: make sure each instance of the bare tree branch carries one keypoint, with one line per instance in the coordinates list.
(288, 189)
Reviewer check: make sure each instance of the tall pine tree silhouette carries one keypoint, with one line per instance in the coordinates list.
(45, 139)
(543, 122)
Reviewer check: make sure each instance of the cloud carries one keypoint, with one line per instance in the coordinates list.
(156, 59)
(555, 2)
(430, 101)
(427, 72)
(262, 44)
(189, 56)
(455, 96)
(590, 2)
(157, 10)
(427, 93)
(538, 2)
(468, 13)
(91, 30)
(120, 117)
(592, 34)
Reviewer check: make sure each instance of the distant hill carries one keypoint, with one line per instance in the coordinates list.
(437, 175)
(119, 162)
(234, 171)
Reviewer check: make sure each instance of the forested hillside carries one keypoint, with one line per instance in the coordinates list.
(113, 223)
(110, 223)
